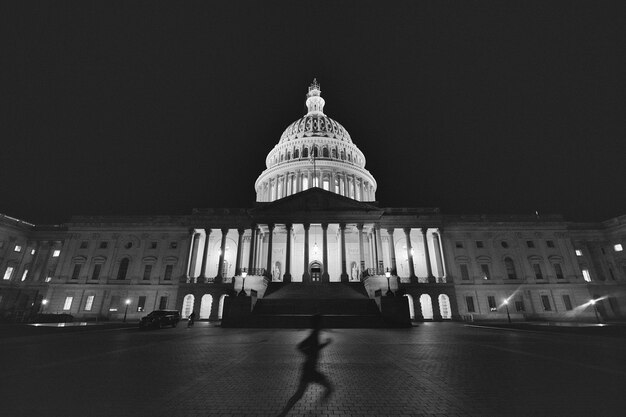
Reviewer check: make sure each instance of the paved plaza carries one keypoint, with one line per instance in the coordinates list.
(446, 369)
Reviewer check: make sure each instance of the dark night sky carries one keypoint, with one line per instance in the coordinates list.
(156, 108)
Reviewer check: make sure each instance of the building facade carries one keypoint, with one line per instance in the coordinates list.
(316, 221)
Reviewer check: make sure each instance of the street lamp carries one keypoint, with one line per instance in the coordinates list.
(126, 310)
(44, 302)
(506, 304)
(388, 275)
(595, 310)
(244, 274)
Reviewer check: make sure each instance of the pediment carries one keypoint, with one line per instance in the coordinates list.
(315, 200)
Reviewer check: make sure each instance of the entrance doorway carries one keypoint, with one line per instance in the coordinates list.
(316, 272)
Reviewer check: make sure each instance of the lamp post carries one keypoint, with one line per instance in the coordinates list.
(388, 275)
(508, 316)
(595, 310)
(126, 310)
(244, 274)
(44, 302)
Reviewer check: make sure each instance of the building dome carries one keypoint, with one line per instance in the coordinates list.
(315, 151)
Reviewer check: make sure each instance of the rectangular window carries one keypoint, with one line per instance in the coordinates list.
(485, 269)
(618, 247)
(550, 243)
(586, 275)
(153, 245)
(537, 269)
(104, 245)
(141, 303)
(115, 303)
(33, 251)
(479, 244)
(68, 303)
(491, 300)
(84, 244)
(469, 300)
(530, 244)
(173, 245)
(464, 272)
(504, 244)
(168, 272)
(559, 271)
(459, 245)
(612, 274)
(519, 305)
(163, 302)
(56, 253)
(17, 248)
(579, 252)
(89, 303)
(545, 300)
(96, 271)
(76, 271)
(24, 275)
(8, 273)
(567, 302)
(146, 272)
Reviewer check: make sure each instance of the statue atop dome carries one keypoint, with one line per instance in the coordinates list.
(314, 102)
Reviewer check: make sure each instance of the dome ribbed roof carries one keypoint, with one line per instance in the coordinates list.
(315, 125)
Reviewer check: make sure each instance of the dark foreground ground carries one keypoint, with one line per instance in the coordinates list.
(434, 369)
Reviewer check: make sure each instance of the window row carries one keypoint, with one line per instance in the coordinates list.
(127, 245)
(518, 304)
(122, 271)
(480, 244)
(116, 304)
(511, 271)
(314, 151)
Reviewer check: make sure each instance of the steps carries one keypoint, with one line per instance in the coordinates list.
(291, 305)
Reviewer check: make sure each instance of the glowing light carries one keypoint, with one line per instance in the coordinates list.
(44, 301)
(618, 247)
(127, 301)
(579, 252)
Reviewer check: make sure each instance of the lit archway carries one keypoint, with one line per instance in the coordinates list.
(411, 306)
(427, 306)
(188, 302)
(205, 306)
(220, 308)
(444, 307)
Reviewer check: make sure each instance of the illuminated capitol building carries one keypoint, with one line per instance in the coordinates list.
(316, 240)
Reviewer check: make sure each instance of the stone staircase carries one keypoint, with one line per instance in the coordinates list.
(291, 305)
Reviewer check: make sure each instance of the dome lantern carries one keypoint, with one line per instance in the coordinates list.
(315, 102)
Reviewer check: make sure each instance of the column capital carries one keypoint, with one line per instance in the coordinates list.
(324, 226)
(424, 230)
(377, 226)
(207, 230)
(288, 226)
(224, 231)
(407, 230)
(271, 226)
(390, 230)
(342, 226)
(360, 226)
(241, 231)
(306, 226)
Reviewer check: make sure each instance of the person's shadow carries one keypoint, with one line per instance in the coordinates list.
(310, 347)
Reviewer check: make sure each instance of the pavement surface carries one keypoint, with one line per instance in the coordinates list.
(435, 369)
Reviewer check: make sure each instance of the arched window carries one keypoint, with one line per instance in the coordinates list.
(349, 157)
(188, 302)
(334, 153)
(343, 155)
(288, 155)
(205, 306)
(444, 307)
(296, 154)
(325, 152)
(282, 157)
(305, 152)
(123, 269)
(315, 152)
(510, 268)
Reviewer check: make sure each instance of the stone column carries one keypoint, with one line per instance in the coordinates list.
(287, 276)
(361, 189)
(306, 278)
(239, 253)
(446, 269)
(252, 249)
(392, 252)
(194, 256)
(205, 255)
(192, 233)
(409, 255)
(344, 274)
(325, 276)
(220, 266)
(429, 269)
(438, 259)
(268, 271)
(359, 228)
(379, 249)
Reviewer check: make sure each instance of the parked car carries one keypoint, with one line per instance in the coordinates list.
(160, 318)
